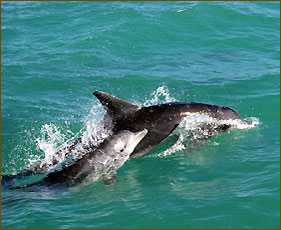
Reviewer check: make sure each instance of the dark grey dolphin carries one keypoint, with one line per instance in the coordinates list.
(160, 120)
(103, 162)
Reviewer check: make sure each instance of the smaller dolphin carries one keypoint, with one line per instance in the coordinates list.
(103, 162)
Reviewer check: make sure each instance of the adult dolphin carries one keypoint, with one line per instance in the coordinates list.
(160, 120)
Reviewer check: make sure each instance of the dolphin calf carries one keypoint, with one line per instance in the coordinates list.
(160, 120)
(103, 162)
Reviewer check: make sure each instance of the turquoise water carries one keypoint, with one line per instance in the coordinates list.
(55, 54)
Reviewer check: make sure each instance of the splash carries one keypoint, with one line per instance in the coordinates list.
(57, 146)
(160, 95)
(50, 138)
(196, 127)
(95, 130)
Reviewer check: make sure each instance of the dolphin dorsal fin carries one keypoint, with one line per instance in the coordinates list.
(115, 106)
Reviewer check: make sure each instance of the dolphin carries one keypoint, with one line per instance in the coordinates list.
(103, 162)
(160, 120)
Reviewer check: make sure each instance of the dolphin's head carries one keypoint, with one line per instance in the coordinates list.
(124, 142)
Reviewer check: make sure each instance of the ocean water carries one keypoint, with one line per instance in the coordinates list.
(54, 55)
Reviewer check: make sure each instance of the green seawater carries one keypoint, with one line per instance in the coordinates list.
(55, 54)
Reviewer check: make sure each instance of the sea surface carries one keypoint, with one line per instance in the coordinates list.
(54, 55)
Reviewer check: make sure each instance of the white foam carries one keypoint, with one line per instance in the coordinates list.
(191, 128)
(160, 95)
(52, 139)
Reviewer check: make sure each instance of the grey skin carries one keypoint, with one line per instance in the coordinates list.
(160, 120)
(103, 162)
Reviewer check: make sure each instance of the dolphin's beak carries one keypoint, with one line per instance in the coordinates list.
(135, 140)
(140, 135)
